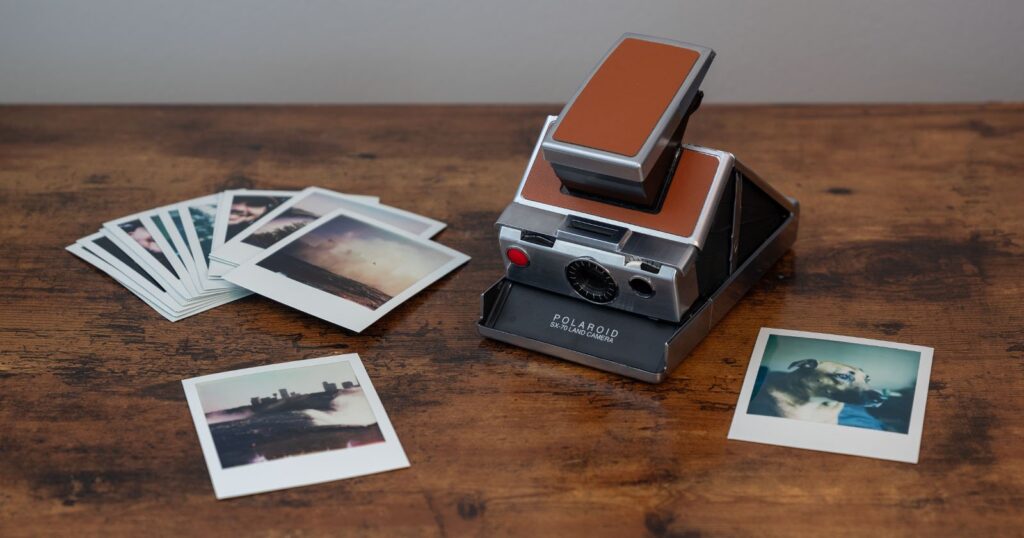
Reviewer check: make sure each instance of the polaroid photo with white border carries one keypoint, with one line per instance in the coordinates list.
(347, 269)
(162, 236)
(101, 245)
(291, 424)
(134, 235)
(309, 205)
(199, 217)
(103, 253)
(834, 393)
(174, 218)
(184, 264)
(169, 219)
(239, 209)
(78, 249)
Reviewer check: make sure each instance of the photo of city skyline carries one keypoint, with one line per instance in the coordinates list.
(289, 412)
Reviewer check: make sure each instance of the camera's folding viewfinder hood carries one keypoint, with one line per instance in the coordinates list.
(617, 138)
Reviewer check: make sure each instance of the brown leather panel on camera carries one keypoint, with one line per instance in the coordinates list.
(627, 95)
(679, 214)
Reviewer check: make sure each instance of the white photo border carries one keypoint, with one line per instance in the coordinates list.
(306, 469)
(830, 437)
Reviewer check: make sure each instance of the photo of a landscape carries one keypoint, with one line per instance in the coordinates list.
(356, 261)
(318, 204)
(283, 225)
(289, 412)
(247, 209)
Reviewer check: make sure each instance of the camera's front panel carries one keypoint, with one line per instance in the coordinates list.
(598, 275)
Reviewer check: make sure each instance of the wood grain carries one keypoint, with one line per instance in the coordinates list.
(911, 231)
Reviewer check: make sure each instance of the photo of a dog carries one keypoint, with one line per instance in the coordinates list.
(834, 382)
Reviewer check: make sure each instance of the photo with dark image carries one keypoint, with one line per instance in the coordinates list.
(115, 251)
(357, 261)
(138, 232)
(290, 221)
(318, 204)
(178, 225)
(290, 412)
(246, 210)
(203, 217)
(833, 382)
(167, 237)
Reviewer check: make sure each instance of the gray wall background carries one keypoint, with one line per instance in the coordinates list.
(299, 51)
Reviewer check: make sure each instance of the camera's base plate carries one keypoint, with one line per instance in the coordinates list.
(575, 330)
(615, 340)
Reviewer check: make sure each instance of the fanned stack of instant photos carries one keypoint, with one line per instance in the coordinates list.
(344, 258)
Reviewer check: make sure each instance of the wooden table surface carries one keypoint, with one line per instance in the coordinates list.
(912, 230)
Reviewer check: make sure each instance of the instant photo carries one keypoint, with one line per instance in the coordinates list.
(202, 216)
(347, 269)
(835, 394)
(171, 221)
(104, 244)
(239, 209)
(107, 256)
(145, 238)
(101, 245)
(199, 217)
(174, 222)
(310, 205)
(291, 424)
(162, 238)
(138, 240)
(142, 235)
(79, 249)
(151, 255)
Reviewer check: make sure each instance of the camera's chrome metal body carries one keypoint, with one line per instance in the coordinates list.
(554, 237)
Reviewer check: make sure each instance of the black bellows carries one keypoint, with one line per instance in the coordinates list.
(760, 216)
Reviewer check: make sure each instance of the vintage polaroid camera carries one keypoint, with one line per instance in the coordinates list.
(623, 247)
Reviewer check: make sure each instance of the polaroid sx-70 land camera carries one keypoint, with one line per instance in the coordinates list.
(623, 246)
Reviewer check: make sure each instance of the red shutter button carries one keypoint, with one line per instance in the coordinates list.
(517, 256)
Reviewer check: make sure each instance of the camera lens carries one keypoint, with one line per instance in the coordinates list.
(641, 286)
(591, 280)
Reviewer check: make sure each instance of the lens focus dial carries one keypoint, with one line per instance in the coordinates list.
(592, 281)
